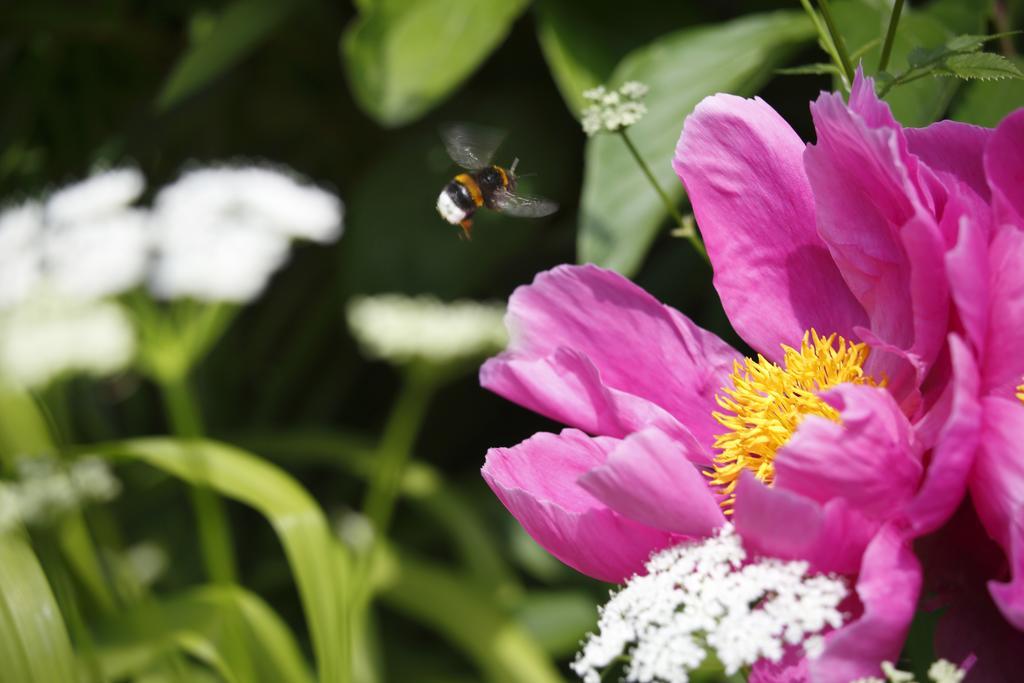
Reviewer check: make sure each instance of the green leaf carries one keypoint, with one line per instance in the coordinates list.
(422, 484)
(444, 601)
(922, 34)
(986, 103)
(620, 212)
(23, 429)
(130, 642)
(295, 516)
(239, 30)
(983, 66)
(34, 644)
(820, 69)
(403, 58)
(583, 42)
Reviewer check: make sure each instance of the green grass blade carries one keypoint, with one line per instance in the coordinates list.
(196, 622)
(320, 572)
(34, 644)
(445, 602)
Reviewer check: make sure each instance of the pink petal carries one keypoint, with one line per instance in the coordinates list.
(780, 523)
(536, 481)
(888, 588)
(870, 460)
(946, 478)
(967, 265)
(1004, 365)
(565, 386)
(997, 480)
(792, 668)
(637, 345)
(953, 148)
(878, 223)
(742, 167)
(1004, 165)
(651, 478)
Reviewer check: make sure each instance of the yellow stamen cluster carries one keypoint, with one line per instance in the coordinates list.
(767, 402)
(1020, 393)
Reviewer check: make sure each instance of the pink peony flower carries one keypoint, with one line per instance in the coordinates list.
(983, 585)
(838, 448)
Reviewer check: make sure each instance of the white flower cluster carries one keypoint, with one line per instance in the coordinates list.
(941, 671)
(217, 234)
(613, 110)
(400, 329)
(45, 489)
(50, 335)
(220, 233)
(706, 596)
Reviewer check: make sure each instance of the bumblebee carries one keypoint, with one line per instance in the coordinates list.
(485, 184)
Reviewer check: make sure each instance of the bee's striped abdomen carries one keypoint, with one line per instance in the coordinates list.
(471, 187)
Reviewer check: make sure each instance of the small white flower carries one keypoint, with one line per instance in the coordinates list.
(633, 90)
(705, 596)
(100, 195)
(21, 229)
(147, 561)
(400, 329)
(894, 675)
(45, 489)
(93, 480)
(47, 336)
(613, 110)
(354, 529)
(944, 671)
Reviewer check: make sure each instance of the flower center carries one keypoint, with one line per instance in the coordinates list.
(1020, 393)
(767, 402)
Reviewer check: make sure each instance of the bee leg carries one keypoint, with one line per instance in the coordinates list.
(466, 226)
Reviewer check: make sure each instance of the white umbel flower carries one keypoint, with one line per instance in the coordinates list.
(613, 110)
(102, 194)
(400, 329)
(21, 230)
(96, 244)
(215, 261)
(45, 489)
(257, 196)
(221, 233)
(706, 596)
(48, 335)
(100, 256)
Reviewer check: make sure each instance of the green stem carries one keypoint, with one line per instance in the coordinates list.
(214, 531)
(890, 35)
(691, 235)
(396, 447)
(837, 40)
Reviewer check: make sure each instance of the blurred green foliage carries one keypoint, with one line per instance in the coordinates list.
(465, 594)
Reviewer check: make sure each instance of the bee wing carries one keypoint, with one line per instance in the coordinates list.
(469, 145)
(523, 205)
